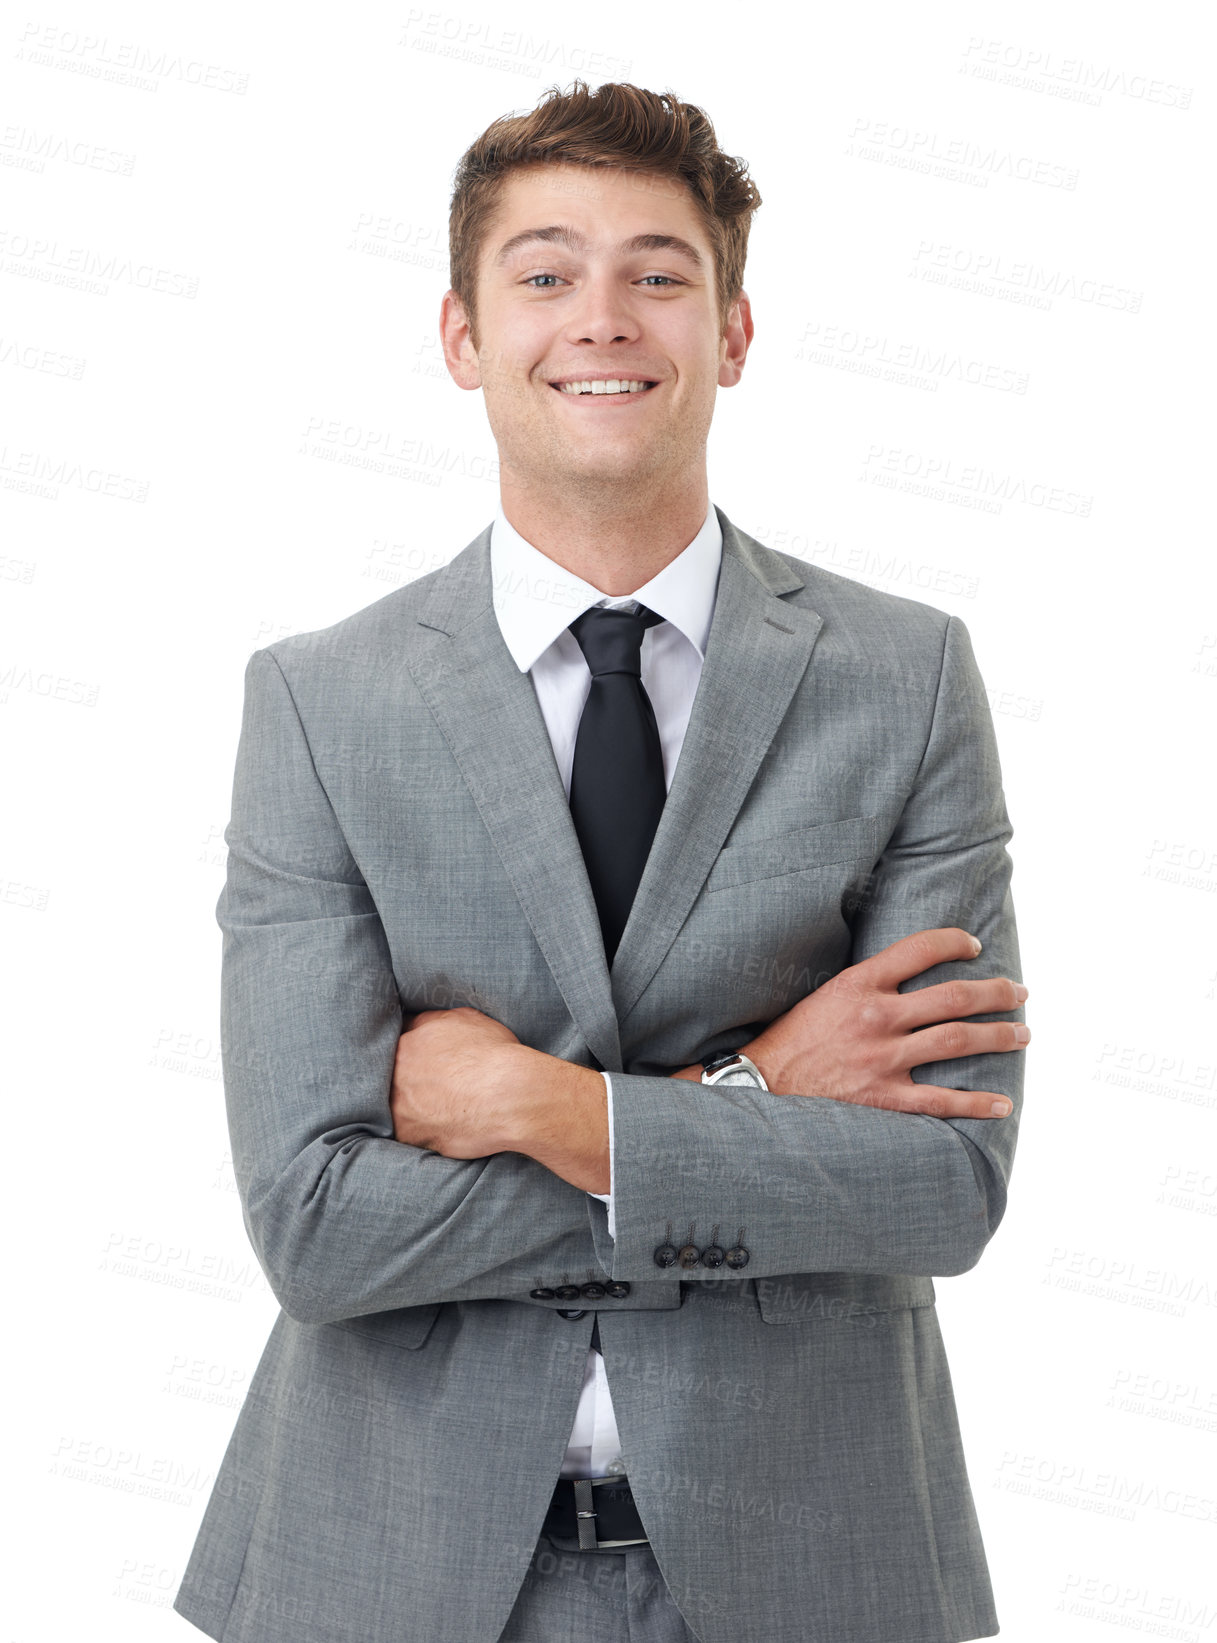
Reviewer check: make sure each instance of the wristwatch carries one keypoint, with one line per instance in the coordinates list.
(733, 1068)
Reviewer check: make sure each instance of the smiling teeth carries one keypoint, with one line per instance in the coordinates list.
(612, 386)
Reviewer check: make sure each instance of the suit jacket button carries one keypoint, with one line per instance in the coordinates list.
(593, 1291)
(541, 1294)
(566, 1313)
(689, 1256)
(737, 1256)
(666, 1255)
(567, 1292)
(713, 1255)
(617, 1288)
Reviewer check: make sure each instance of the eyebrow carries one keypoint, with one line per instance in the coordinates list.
(560, 234)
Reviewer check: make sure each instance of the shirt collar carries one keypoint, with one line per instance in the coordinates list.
(536, 599)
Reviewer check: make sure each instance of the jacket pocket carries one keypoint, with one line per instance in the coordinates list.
(838, 1297)
(405, 1326)
(855, 838)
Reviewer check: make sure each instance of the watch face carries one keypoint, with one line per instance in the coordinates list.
(732, 1068)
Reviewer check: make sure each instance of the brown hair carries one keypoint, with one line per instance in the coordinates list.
(615, 125)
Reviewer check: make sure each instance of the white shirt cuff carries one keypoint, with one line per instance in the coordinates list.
(607, 1197)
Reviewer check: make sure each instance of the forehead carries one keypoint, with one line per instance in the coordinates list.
(594, 208)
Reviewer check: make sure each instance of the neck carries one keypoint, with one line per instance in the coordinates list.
(616, 543)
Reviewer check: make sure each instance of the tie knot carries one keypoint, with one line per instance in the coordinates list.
(611, 639)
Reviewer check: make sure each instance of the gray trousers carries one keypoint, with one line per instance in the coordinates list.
(597, 1597)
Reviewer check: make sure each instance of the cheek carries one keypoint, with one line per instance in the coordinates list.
(700, 372)
(513, 347)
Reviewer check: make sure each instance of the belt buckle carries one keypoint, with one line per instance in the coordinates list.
(585, 1517)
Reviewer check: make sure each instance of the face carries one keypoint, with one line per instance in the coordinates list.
(606, 277)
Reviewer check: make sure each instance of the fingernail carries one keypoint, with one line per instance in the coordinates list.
(1020, 992)
(1001, 1109)
(1022, 1033)
(975, 946)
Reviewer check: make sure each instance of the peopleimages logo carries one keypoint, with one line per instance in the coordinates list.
(992, 273)
(99, 57)
(77, 265)
(1050, 71)
(940, 154)
(989, 487)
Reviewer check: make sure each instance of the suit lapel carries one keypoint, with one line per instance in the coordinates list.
(756, 653)
(490, 716)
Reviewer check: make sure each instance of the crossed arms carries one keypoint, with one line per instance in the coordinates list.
(331, 1106)
(464, 1085)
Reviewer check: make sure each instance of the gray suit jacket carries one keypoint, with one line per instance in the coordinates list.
(400, 841)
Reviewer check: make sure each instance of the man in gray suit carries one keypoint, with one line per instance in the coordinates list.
(609, 1063)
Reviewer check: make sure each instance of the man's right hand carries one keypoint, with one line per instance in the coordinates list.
(857, 1036)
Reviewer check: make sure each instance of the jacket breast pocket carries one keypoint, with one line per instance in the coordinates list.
(824, 844)
(856, 1298)
(405, 1326)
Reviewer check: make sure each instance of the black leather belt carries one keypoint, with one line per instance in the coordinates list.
(594, 1515)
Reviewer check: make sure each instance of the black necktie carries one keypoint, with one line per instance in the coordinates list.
(617, 789)
(617, 786)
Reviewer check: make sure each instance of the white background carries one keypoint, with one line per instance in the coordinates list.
(979, 275)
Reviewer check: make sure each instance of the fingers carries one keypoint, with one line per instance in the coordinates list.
(929, 1100)
(934, 1102)
(912, 954)
(956, 1038)
(951, 999)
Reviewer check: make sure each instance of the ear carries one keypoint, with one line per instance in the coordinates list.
(735, 342)
(459, 354)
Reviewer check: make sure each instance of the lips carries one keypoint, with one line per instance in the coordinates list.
(603, 394)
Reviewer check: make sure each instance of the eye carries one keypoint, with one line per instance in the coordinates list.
(532, 279)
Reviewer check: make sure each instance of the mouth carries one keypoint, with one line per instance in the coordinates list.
(616, 390)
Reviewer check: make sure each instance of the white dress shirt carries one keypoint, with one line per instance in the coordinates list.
(535, 601)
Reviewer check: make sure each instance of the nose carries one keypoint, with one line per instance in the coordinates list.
(603, 312)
